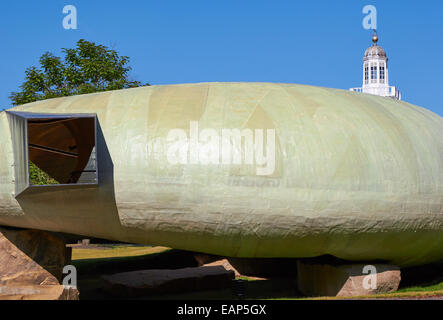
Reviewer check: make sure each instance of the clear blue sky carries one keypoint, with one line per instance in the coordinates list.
(316, 42)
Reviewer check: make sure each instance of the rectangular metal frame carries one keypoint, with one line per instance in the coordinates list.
(21, 186)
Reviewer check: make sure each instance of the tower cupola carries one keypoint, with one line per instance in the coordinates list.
(375, 72)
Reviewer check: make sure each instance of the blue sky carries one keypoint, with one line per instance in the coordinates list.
(312, 42)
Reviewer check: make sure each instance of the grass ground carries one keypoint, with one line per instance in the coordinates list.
(93, 261)
(435, 287)
(114, 252)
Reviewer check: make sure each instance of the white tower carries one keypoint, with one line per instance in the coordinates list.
(375, 73)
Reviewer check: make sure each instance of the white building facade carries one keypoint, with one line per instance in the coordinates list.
(376, 74)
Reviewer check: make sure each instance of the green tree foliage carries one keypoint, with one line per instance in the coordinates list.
(87, 68)
(38, 177)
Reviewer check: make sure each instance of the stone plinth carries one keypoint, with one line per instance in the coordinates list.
(52, 292)
(346, 280)
(147, 282)
(225, 264)
(31, 257)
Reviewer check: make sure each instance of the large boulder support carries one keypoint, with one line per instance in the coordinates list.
(148, 282)
(53, 292)
(32, 259)
(350, 280)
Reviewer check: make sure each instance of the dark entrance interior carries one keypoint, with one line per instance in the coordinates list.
(62, 150)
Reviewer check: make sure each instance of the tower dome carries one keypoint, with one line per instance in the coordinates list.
(375, 51)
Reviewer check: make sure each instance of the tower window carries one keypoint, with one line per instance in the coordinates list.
(382, 73)
(373, 73)
(366, 73)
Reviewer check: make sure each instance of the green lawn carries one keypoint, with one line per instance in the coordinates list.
(434, 287)
(114, 252)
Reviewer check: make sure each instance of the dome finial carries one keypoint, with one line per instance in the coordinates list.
(375, 37)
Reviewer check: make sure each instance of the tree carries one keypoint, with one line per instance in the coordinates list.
(38, 177)
(86, 68)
